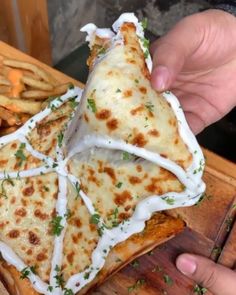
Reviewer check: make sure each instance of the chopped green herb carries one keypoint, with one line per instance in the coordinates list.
(20, 155)
(199, 290)
(59, 278)
(68, 214)
(102, 51)
(56, 225)
(60, 137)
(126, 156)
(216, 250)
(50, 288)
(234, 207)
(95, 218)
(71, 86)
(203, 198)
(137, 285)
(119, 185)
(146, 54)
(73, 103)
(135, 264)
(168, 280)
(26, 271)
(86, 275)
(7, 179)
(170, 201)
(167, 92)
(136, 81)
(118, 90)
(92, 105)
(229, 222)
(195, 152)
(118, 260)
(150, 253)
(46, 188)
(149, 106)
(54, 165)
(68, 292)
(77, 188)
(144, 23)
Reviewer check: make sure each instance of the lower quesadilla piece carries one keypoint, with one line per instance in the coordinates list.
(81, 182)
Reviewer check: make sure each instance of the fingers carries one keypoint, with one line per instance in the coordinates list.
(171, 51)
(216, 278)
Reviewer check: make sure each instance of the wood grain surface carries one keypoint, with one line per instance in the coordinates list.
(210, 228)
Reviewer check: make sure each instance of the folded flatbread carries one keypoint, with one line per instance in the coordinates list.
(81, 181)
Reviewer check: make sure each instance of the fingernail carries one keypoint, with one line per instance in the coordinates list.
(186, 264)
(160, 77)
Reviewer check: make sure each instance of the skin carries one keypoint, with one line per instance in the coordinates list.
(196, 60)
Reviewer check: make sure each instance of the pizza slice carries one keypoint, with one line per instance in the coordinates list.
(84, 182)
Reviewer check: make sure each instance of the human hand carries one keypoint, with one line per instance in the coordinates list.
(196, 60)
(216, 278)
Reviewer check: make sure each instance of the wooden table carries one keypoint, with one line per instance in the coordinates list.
(210, 228)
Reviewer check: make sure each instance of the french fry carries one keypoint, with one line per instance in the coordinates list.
(10, 117)
(4, 81)
(42, 95)
(18, 105)
(7, 130)
(31, 67)
(5, 89)
(41, 85)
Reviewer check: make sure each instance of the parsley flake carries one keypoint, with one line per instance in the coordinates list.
(135, 264)
(56, 225)
(95, 218)
(7, 179)
(68, 292)
(199, 290)
(59, 278)
(92, 105)
(77, 188)
(73, 103)
(126, 156)
(168, 280)
(118, 90)
(144, 23)
(50, 288)
(119, 184)
(60, 137)
(149, 106)
(170, 201)
(25, 272)
(137, 285)
(20, 155)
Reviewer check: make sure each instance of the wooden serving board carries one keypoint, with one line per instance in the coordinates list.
(210, 228)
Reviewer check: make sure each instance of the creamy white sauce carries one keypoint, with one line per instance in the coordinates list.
(191, 178)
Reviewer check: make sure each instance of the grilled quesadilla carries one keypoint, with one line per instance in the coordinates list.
(81, 181)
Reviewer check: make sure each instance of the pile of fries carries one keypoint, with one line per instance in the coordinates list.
(24, 88)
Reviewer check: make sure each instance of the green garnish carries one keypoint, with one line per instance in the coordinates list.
(20, 155)
(77, 188)
(26, 271)
(217, 250)
(126, 156)
(157, 269)
(200, 168)
(95, 218)
(144, 23)
(102, 51)
(56, 225)
(54, 165)
(137, 285)
(58, 277)
(46, 188)
(118, 90)
(86, 275)
(149, 106)
(119, 184)
(73, 103)
(50, 288)
(60, 137)
(229, 222)
(136, 81)
(7, 179)
(168, 280)
(170, 201)
(203, 198)
(68, 214)
(199, 290)
(68, 292)
(92, 105)
(71, 86)
(135, 264)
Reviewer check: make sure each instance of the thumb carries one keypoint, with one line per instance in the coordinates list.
(216, 278)
(170, 52)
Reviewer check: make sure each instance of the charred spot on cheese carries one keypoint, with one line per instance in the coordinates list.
(127, 93)
(163, 155)
(122, 198)
(172, 122)
(28, 191)
(103, 114)
(134, 180)
(143, 89)
(112, 124)
(14, 233)
(44, 130)
(139, 140)
(20, 212)
(154, 186)
(154, 132)
(41, 256)
(20, 154)
(137, 110)
(70, 257)
(40, 215)
(111, 172)
(33, 238)
(139, 168)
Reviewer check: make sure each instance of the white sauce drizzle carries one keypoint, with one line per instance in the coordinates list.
(191, 178)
